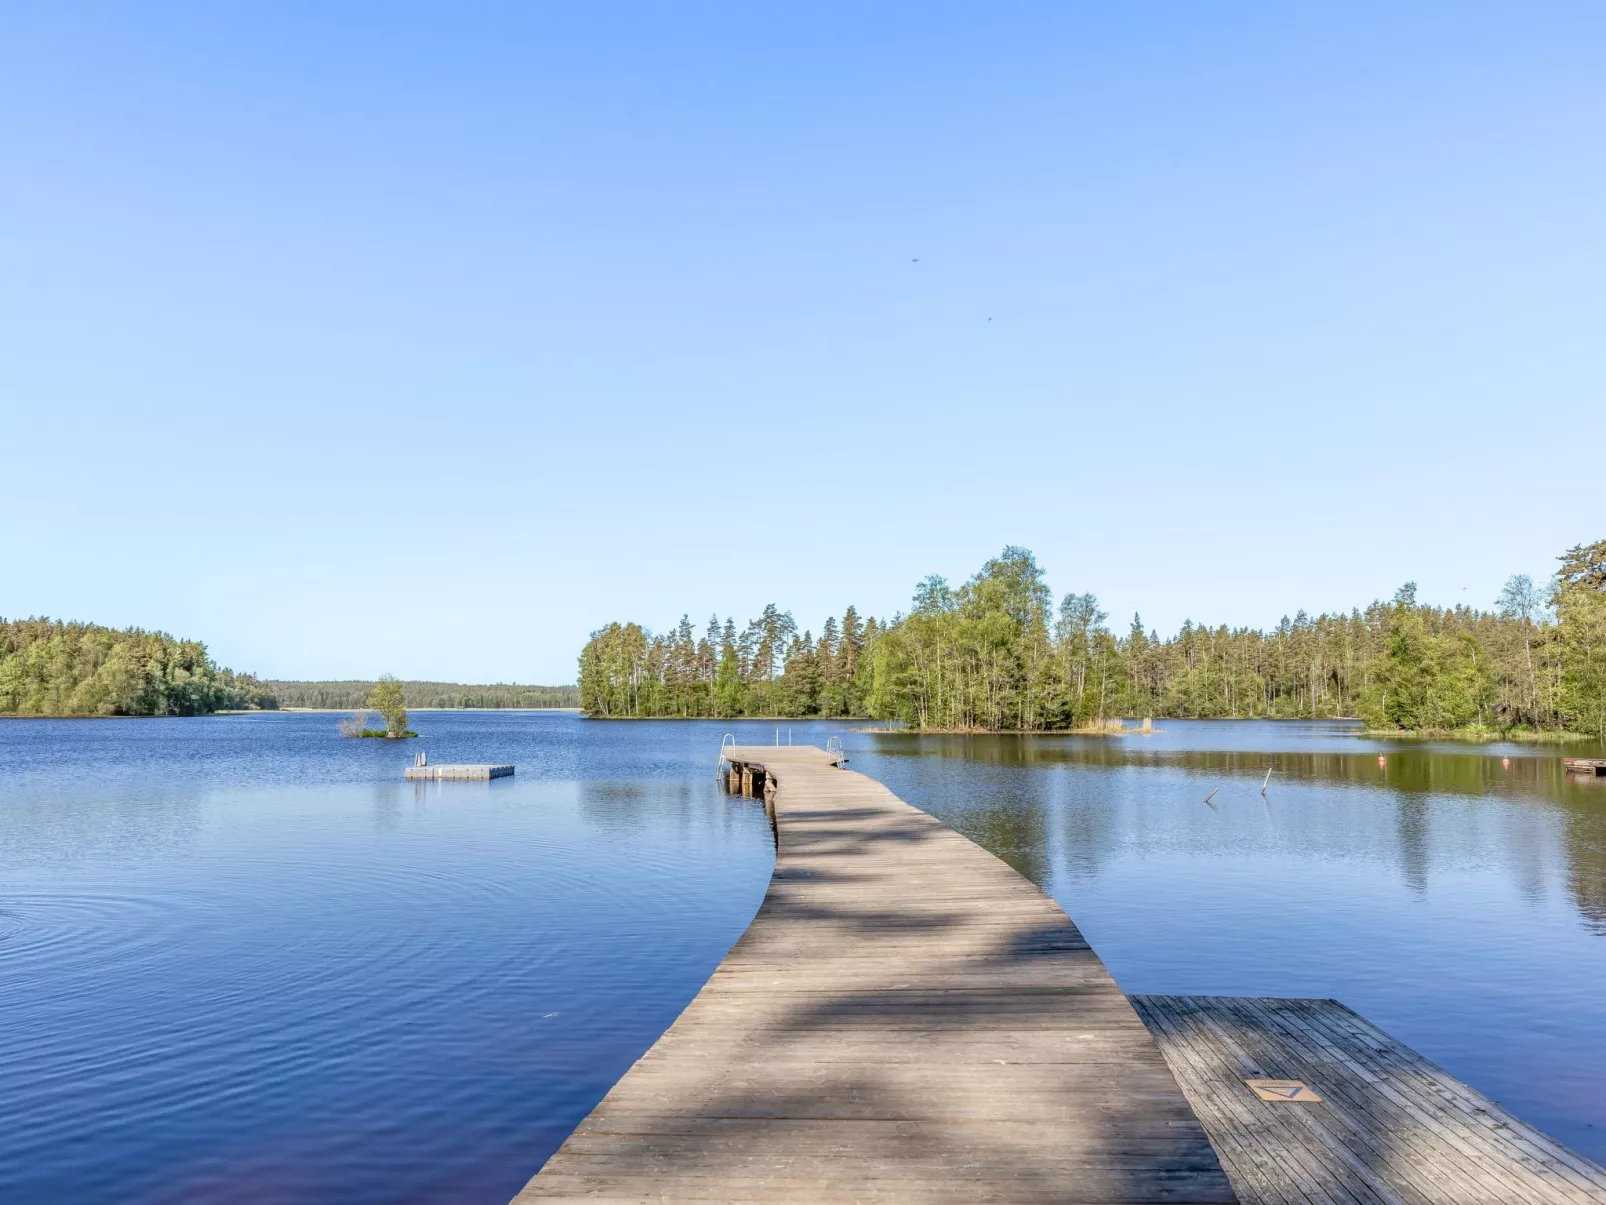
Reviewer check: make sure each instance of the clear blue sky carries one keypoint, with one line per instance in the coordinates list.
(427, 338)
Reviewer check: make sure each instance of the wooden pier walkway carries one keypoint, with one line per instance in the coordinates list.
(1389, 1127)
(906, 1020)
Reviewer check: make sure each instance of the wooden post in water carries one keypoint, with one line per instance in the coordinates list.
(733, 779)
(747, 780)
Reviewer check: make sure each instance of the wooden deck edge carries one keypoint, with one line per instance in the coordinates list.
(1391, 1127)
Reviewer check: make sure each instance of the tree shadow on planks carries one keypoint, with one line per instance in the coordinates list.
(1002, 1066)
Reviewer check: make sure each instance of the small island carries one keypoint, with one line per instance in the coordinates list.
(386, 698)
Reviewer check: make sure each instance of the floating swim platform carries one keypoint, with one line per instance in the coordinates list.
(418, 773)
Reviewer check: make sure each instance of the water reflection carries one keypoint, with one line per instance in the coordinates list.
(1004, 810)
(1585, 803)
(1411, 821)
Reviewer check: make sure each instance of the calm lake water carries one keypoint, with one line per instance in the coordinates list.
(241, 960)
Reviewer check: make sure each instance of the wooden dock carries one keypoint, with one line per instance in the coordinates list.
(906, 1020)
(425, 772)
(1389, 1127)
(1590, 767)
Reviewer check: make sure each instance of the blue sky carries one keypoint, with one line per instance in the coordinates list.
(427, 338)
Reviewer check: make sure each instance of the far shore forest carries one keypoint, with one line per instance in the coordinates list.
(996, 654)
(48, 667)
(53, 668)
(423, 696)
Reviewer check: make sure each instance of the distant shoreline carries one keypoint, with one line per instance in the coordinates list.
(91, 715)
(733, 719)
(410, 710)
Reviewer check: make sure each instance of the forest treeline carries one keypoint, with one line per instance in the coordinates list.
(767, 668)
(997, 654)
(48, 667)
(424, 695)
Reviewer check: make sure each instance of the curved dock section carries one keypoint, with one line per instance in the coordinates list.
(906, 1020)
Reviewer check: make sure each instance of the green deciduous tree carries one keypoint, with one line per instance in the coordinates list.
(388, 701)
(1580, 601)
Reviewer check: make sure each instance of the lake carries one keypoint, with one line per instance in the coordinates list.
(242, 960)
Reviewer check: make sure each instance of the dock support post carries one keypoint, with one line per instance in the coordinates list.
(747, 781)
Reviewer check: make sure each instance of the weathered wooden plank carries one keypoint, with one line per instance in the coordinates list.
(1391, 1129)
(906, 1019)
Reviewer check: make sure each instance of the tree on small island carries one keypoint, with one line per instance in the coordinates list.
(385, 698)
(388, 701)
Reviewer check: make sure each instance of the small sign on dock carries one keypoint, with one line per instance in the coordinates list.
(1282, 1089)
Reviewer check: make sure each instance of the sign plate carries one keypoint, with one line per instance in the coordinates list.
(1282, 1089)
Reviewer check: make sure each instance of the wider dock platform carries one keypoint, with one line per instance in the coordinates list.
(461, 771)
(906, 1019)
(1384, 1126)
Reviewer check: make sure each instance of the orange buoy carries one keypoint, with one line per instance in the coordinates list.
(1505, 763)
(1381, 760)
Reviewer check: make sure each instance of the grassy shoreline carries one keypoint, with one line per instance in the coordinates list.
(1474, 736)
